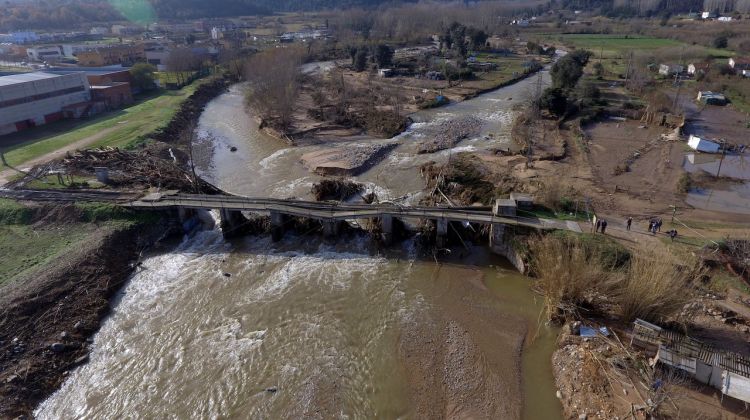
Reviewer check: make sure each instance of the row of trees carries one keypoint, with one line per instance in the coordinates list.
(565, 74)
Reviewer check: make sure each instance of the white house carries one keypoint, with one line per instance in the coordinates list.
(739, 63)
(695, 68)
(703, 145)
(669, 69)
(724, 19)
(44, 53)
(708, 15)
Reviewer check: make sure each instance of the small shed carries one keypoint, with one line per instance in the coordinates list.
(703, 145)
(523, 201)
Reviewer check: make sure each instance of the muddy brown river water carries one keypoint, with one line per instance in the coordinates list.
(313, 328)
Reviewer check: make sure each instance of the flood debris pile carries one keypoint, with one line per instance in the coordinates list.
(135, 170)
(449, 133)
(465, 180)
(336, 189)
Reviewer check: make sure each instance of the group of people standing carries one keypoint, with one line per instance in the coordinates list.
(654, 226)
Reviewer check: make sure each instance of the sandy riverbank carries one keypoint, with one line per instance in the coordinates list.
(462, 357)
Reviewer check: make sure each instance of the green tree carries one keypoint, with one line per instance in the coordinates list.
(554, 101)
(581, 56)
(598, 70)
(478, 38)
(721, 41)
(566, 72)
(383, 55)
(360, 59)
(143, 76)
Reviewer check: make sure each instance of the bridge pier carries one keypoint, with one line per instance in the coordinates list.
(441, 238)
(386, 227)
(232, 222)
(277, 226)
(331, 228)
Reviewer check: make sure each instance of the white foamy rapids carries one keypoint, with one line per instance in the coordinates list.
(91, 390)
(271, 161)
(285, 189)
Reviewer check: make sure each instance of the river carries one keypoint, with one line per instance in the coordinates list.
(313, 328)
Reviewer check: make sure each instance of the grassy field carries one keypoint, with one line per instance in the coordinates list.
(29, 246)
(121, 128)
(508, 69)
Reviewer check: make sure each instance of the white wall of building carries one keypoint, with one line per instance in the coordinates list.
(31, 84)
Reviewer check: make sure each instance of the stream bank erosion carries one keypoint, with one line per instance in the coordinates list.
(49, 312)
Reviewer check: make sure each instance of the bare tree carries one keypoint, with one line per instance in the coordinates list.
(181, 61)
(273, 85)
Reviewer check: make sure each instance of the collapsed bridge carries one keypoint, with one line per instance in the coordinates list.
(330, 214)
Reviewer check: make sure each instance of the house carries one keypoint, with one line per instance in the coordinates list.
(711, 98)
(99, 30)
(703, 145)
(708, 15)
(745, 73)
(521, 22)
(44, 53)
(696, 68)
(126, 54)
(670, 69)
(739, 63)
(720, 369)
(724, 19)
(19, 37)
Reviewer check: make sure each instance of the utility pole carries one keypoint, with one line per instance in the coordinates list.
(627, 72)
(677, 96)
(674, 212)
(723, 153)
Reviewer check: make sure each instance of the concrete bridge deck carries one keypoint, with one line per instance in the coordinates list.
(326, 211)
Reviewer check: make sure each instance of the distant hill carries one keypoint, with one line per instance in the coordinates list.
(61, 14)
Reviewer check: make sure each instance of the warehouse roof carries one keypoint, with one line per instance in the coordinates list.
(25, 77)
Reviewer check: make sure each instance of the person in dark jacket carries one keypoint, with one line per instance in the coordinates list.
(604, 225)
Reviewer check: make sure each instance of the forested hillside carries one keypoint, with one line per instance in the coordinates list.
(55, 14)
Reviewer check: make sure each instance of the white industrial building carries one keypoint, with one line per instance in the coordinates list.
(45, 53)
(31, 99)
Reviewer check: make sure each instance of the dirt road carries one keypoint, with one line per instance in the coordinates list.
(7, 173)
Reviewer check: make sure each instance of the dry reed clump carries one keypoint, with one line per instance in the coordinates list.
(571, 275)
(575, 275)
(656, 286)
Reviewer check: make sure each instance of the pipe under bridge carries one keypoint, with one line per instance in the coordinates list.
(330, 214)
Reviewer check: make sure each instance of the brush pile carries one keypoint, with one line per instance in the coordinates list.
(336, 189)
(135, 169)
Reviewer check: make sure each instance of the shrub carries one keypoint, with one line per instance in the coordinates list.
(12, 213)
(684, 183)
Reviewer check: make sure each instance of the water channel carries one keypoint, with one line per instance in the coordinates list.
(313, 328)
